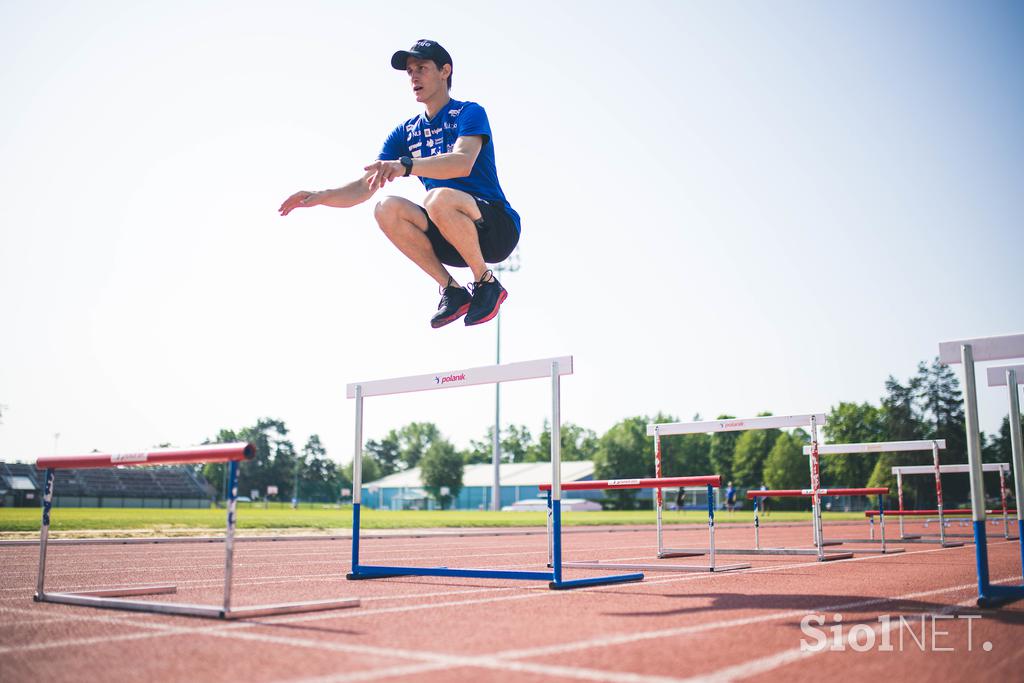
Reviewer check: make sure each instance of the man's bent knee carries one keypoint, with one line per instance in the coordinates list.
(392, 211)
(445, 199)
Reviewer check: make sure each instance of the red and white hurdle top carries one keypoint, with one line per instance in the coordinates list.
(221, 452)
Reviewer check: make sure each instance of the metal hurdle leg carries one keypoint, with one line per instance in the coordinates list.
(757, 525)
(881, 519)
(657, 492)
(229, 536)
(44, 533)
(551, 560)
(938, 494)
(819, 537)
(1006, 515)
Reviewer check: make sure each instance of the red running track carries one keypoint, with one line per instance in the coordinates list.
(670, 627)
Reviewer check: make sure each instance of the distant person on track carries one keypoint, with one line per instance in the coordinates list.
(764, 502)
(465, 220)
(681, 499)
(730, 498)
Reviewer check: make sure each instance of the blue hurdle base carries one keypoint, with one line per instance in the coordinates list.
(364, 572)
(594, 581)
(989, 595)
(378, 572)
(996, 596)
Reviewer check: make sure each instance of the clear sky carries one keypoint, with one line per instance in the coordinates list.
(727, 206)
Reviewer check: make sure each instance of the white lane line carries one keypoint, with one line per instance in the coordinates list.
(769, 663)
(624, 638)
(500, 661)
(449, 661)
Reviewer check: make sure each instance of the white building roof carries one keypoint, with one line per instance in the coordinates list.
(515, 474)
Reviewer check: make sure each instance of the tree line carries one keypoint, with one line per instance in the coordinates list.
(926, 406)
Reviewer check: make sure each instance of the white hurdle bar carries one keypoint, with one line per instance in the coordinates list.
(553, 368)
(968, 352)
(932, 445)
(809, 420)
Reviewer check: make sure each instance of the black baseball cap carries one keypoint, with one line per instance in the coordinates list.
(423, 49)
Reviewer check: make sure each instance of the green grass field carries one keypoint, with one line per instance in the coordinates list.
(320, 518)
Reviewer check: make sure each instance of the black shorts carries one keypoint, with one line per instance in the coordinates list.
(496, 230)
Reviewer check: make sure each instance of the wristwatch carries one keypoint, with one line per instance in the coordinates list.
(407, 162)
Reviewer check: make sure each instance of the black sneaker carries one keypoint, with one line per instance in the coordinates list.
(487, 298)
(454, 304)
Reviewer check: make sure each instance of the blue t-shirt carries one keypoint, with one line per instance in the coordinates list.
(420, 137)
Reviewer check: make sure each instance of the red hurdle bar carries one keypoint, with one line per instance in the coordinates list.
(222, 452)
(111, 598)
(655, 483)
(929, 513)
(806, 493)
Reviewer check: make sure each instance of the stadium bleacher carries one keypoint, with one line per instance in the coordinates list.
(118, 487)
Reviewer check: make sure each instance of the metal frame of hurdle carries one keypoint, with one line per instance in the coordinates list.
(112, 598)
(881, 492)
(492, 374)
(811, 421)
(968, 352)
(933, 445)
(941, 513)
(712, 482)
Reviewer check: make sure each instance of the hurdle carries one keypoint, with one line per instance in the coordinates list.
(712, 482)
(807, 493)
(658, 430)
(932, 515)
(933, 445)
(552, 368)
(1001, 467)
(968, 352)
(110, 598)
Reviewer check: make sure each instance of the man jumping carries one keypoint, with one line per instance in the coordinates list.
(465, 220)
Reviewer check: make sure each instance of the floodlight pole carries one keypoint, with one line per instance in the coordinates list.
(510, 265)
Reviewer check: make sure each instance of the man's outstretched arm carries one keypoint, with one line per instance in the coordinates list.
(356, 192)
